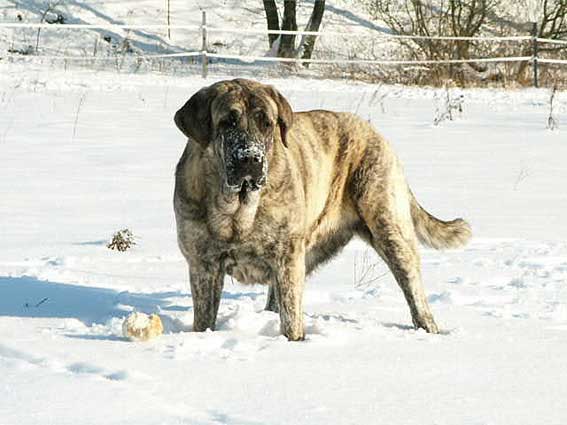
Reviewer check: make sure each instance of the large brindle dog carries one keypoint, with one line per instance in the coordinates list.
(266, 195)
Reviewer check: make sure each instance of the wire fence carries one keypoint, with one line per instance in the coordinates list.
(202, 55)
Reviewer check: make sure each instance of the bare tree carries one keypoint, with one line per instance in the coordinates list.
(308, 43)
(553, 21)
(289, 23)
(430, 18)
(272, 19)
(287, 42)
(550, 18)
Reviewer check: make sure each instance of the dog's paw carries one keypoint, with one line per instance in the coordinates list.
(295, 338)
(426, 323)
(294, 333)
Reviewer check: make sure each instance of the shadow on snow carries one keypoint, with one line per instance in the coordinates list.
(30, 297)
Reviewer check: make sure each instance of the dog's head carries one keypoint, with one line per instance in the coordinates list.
(240, 120)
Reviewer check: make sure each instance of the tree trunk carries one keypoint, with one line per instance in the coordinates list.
(289, 23)
(273, 20)
(314, 24)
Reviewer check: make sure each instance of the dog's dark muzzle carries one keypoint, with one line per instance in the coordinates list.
(245, 162)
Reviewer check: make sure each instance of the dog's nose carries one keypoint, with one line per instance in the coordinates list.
(249, 155)
(252, 158)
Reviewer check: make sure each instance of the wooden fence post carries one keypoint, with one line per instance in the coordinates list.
(535, 54)
(168, 6)
(205, 59)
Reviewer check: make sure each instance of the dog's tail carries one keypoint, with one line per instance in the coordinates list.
(437, 233)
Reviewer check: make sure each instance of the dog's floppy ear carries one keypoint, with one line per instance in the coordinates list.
(285, 113)
(194, 118)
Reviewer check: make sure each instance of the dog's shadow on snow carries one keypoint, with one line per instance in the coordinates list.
(30, 297)
(33, 298)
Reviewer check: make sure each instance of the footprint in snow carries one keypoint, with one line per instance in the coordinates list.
(89, 369)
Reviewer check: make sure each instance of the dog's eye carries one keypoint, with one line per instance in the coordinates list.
(264, 121)
(234, 116)
(231, 120)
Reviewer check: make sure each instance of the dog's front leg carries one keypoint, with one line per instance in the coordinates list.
(288, 287)
(206, 289)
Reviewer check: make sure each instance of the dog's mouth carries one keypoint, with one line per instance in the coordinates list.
(246, 184)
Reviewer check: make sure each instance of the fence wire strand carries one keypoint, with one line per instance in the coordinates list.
(204, 53)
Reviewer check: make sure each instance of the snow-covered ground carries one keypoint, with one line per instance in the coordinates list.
(83, 155)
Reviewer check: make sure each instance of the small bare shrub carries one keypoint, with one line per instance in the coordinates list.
(28, 50)
(367, 271)
(122, 240)
(450, 105)
(551, 121)
(81, 101)
(522, 175)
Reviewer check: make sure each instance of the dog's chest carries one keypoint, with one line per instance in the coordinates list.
(229, 219)
(250, 262)
(246, 266)
(252, 259)
(245, 240)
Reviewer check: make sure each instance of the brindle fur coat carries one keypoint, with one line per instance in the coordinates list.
(330, 177)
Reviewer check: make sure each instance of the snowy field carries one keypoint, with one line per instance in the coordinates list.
(84, 154)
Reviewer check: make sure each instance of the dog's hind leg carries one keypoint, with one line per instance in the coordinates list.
(272, 301)
(383, 200)
(400, 253)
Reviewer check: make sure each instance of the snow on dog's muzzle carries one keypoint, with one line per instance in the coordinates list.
(245, 162)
